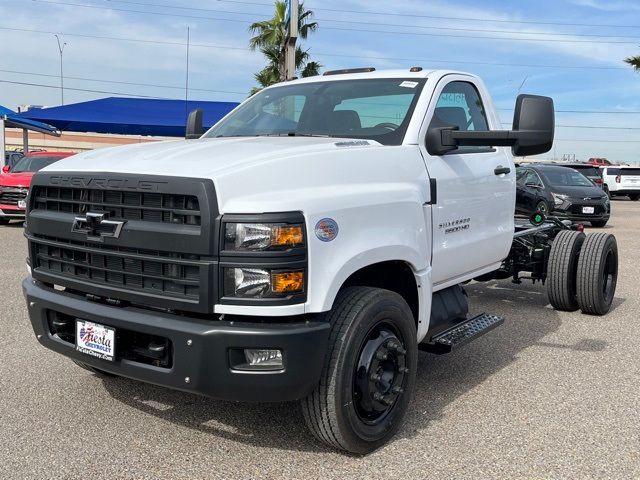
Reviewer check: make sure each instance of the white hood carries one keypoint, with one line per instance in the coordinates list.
(207, 158)
(264, 174)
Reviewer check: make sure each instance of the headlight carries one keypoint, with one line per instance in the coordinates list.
(559, 199)
(262, 236)
(262, 282)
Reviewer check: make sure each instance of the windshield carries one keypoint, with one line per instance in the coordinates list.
(567, 177)
(33, 164)
(373, 109)
(588, 171)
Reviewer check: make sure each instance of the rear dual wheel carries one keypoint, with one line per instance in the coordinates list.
(582, 272)
(369, 371)
(562, 270)
(597, 273)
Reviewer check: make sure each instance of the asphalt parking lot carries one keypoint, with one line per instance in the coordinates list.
(547, 395)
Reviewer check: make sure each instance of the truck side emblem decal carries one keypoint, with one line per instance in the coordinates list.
(326, 229)
(453, 226)
(96, 226)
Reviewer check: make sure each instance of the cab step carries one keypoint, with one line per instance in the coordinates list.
(462, 333)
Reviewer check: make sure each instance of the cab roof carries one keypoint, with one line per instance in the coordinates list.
(358, 75)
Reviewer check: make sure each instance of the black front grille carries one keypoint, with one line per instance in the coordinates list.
(11, 196)
(120, 204)
(175, 275)
(165, 252)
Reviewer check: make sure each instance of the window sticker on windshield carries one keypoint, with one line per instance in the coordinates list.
(408, 84)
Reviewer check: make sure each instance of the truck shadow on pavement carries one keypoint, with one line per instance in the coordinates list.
(440, 379)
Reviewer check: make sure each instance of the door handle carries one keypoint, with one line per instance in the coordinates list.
(500, 170)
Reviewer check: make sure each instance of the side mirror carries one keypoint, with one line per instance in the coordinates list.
(194, 125)
(533, 131)
(533, 125)
(6, 169)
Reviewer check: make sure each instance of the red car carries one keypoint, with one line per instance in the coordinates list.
(600, 162)
(15, 182)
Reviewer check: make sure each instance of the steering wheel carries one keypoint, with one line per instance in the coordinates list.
(388, 125)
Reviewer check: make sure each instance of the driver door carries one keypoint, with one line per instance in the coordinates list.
(473, 216)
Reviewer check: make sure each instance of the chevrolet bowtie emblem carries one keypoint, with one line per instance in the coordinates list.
(96, 226)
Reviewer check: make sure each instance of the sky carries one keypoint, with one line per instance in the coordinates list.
(571, 50)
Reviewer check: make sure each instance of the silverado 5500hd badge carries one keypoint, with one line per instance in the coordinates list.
(453, 226)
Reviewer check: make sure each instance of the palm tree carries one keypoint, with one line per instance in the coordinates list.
(270, 37)
(634, 62)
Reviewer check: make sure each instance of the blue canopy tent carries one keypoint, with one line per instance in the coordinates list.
(9, 118)
(129, 116)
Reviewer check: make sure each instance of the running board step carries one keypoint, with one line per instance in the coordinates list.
(462, 333)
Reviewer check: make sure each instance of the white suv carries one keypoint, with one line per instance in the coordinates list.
(622, 180)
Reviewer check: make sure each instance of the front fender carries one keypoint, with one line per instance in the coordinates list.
(390, 231)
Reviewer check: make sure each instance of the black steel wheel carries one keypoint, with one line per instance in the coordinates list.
(597, 274)
(379, 373)
(369, 371)
(562, 270)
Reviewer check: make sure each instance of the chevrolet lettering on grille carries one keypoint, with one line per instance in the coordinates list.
(96, 226)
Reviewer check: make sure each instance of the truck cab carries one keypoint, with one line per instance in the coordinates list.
(304, 248)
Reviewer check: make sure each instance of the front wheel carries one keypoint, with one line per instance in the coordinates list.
(543, 208)
(369, 371)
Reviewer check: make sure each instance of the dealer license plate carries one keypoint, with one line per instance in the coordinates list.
(95, 340)
(22, 204)
(588, 209)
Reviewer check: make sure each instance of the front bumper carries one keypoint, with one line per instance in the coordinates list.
(572, 210)
(626, 191)
(11, 211)
(581, 218)
(199, 348)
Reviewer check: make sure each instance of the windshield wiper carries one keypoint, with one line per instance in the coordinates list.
(295, 134)
(287, 134)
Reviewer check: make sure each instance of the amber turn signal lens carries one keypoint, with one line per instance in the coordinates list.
(287, 282)
(287, 236)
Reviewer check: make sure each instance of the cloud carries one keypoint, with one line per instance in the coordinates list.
(608, 5)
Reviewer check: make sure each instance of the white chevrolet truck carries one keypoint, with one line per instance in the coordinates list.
(305, 247)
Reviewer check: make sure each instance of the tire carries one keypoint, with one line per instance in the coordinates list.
(343, 411)
(543, 208)
(97, 371)
(634, 197)
(4, 221)
(562, 270)
(599, 224)
(597, 274)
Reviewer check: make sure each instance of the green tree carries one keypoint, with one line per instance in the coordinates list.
(634, 62)
(269, 37)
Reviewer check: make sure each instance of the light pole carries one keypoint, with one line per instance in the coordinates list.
(61, 49)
